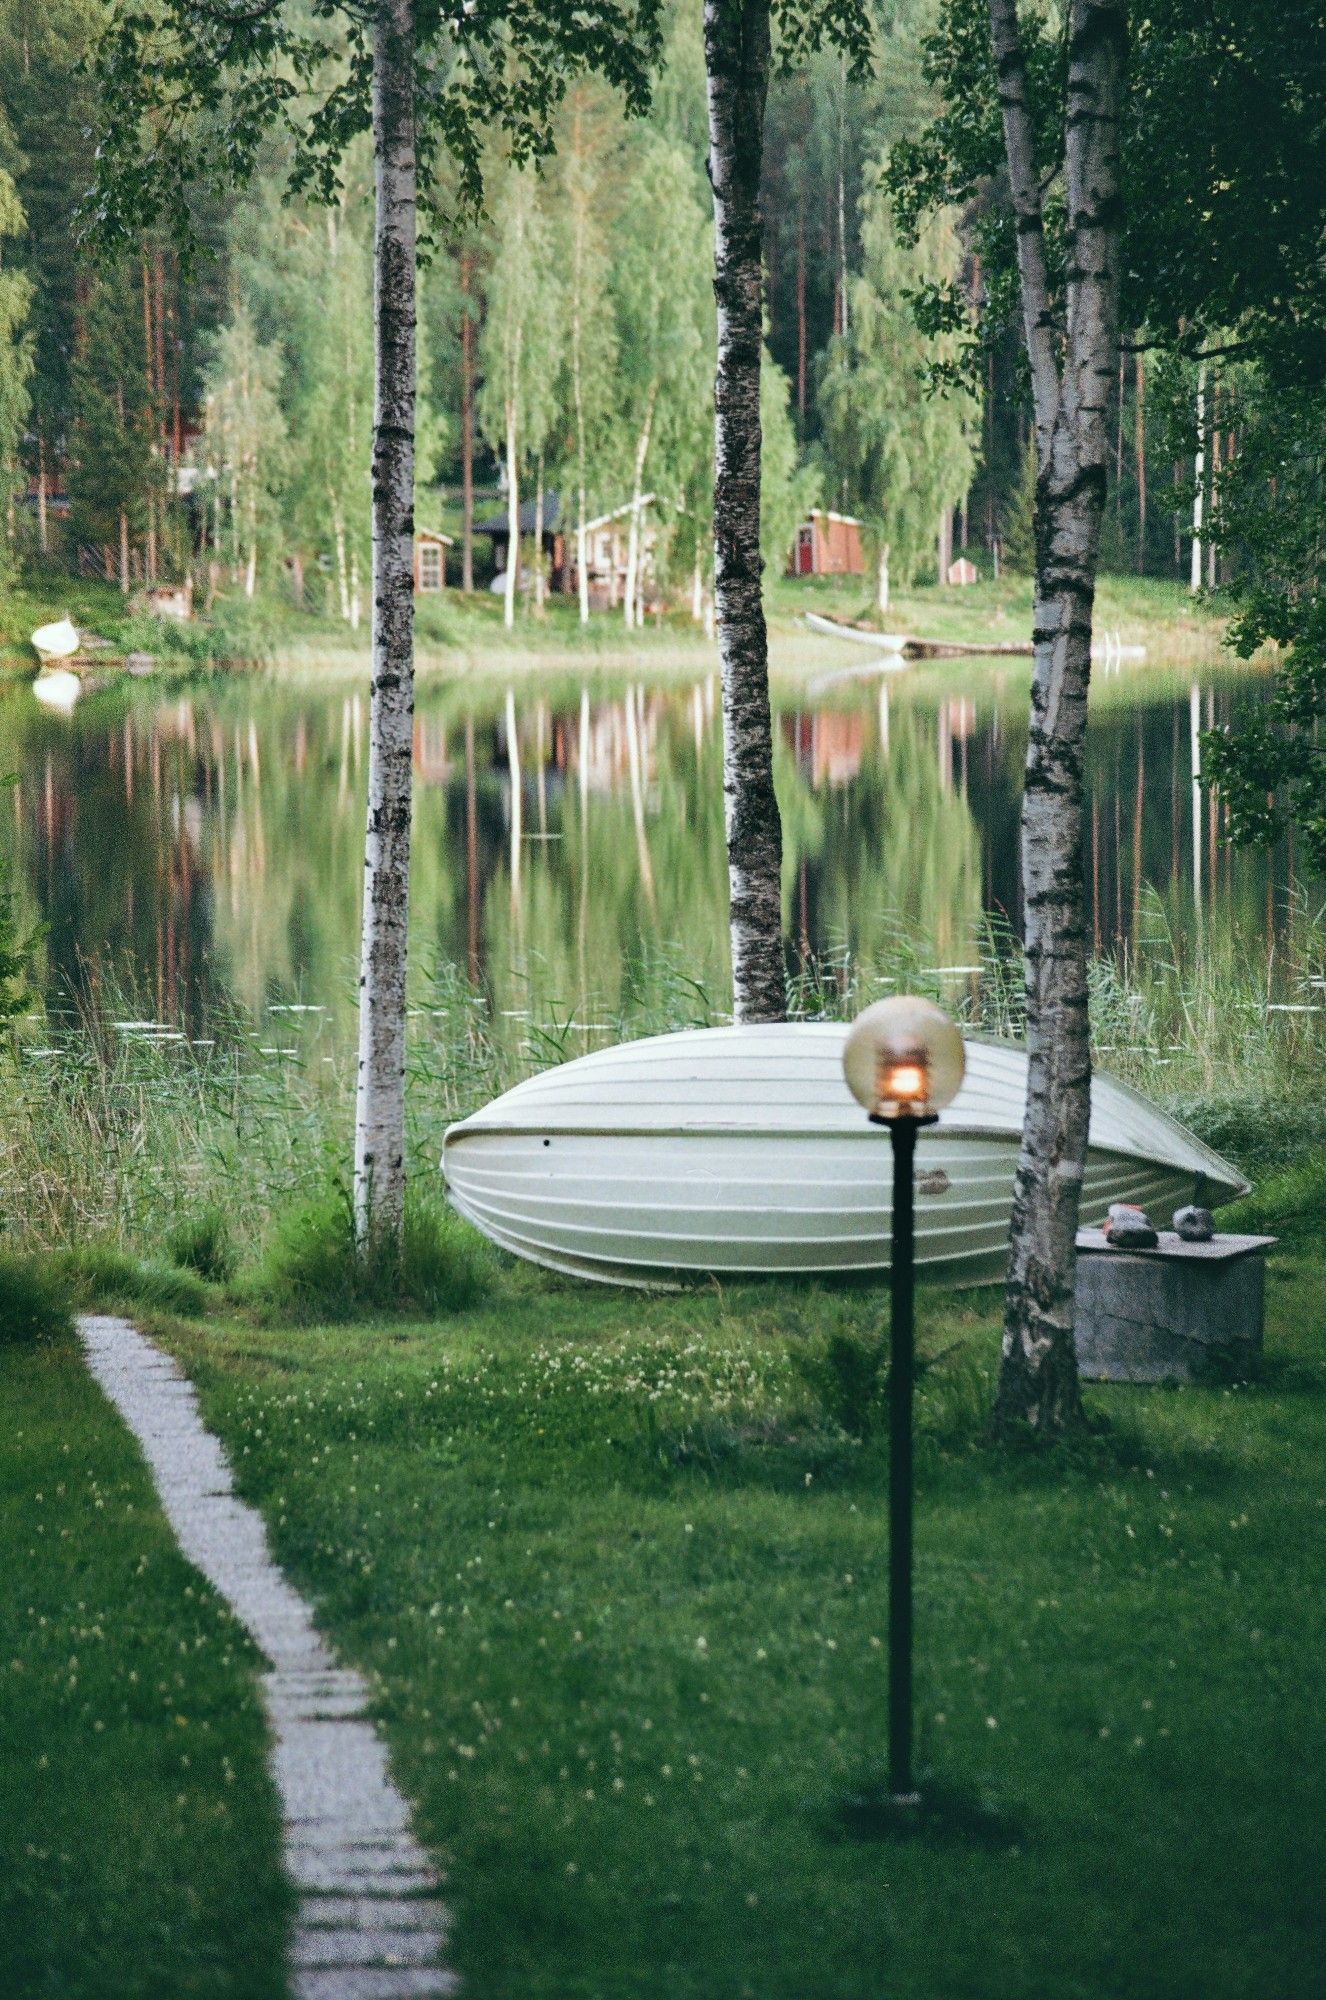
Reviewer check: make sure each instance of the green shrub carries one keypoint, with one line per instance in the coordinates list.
(100, 1274)
(201, 1242)
(313, 1268)
(1291, 1204)
(845, 1370)
(34, 1305)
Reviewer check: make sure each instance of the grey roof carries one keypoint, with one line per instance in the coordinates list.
(496, 524)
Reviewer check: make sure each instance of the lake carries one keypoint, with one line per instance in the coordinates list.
(201, 847)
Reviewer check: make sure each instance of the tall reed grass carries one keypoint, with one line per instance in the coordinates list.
(125, 1132)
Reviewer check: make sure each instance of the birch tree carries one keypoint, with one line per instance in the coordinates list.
(243, 438)
(737, 58)
(738, 55)
(591, 349)
(195, 92)
(519, 349)
(1042, 111)
(665, 357)
(1072, 373)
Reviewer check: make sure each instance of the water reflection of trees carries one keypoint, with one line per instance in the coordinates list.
(569, 839)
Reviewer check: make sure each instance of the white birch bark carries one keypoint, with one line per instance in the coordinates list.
(580, 221)
(582, 566)
(736, 43)
(379, 1173)
(633, 527)
(1199, 475)
(342, 571)
(1072, 374)
(512, 512)
(882, 578)
(538, 541)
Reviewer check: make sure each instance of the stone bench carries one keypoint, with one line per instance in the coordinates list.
(1183, 1312)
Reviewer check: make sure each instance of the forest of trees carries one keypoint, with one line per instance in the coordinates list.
(153, 420)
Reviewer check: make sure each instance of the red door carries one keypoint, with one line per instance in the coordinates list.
(806, 551)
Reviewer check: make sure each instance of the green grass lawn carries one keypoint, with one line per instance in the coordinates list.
(139, 1835)
(620, 1587)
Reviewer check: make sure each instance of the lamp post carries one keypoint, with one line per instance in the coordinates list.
(903, 1060)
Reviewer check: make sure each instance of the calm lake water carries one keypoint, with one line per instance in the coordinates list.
(204, 845)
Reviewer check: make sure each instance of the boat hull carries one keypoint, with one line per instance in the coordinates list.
(675, 1159)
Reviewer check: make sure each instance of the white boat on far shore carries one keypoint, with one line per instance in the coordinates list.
(740, 1152)
(832, 628)
(56, 641)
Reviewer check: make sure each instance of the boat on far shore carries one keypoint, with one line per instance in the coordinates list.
(57, 641)
(1106, 646)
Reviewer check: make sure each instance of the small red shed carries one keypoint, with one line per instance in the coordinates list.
(827, 544)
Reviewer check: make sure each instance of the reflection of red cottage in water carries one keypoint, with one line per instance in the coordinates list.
(828, 746)
(827, 544)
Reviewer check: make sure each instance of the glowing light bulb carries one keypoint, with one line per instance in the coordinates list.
(904, 1082)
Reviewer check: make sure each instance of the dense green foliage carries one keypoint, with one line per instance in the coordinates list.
(1223, 208)
(34, 1306)
(313, 1268)
(901, 453)
(127, 349)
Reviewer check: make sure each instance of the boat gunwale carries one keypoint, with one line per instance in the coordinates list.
(1218, 1169)
(470, 1127)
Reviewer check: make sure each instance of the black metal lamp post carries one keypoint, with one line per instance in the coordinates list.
(903, 1060)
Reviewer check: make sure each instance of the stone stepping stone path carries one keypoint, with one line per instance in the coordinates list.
(371, 1923)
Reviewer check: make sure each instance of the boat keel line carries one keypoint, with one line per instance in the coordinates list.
(371, 1923)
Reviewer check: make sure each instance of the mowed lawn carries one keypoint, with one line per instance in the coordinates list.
(622, 1589)
(139, 1835)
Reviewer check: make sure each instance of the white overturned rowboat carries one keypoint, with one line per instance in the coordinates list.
(740, 1152)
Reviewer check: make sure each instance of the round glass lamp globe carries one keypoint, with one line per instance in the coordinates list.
(903, 1058)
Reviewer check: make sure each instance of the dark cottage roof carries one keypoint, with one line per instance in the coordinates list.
(496, 524)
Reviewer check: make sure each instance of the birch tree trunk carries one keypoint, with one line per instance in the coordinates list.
(512, 518)
(1199, 476)
(538, 540)
(1073, 380)
(1139, 454)
(579, 226)
(633, 527)
(466, 428)
(342, 571)
(379, 1178)
(736, 46)
(582, 571)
